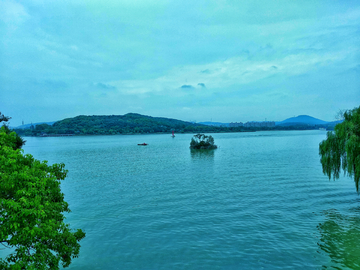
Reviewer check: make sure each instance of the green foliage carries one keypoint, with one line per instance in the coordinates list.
(201, 141)
(15, 140)
(341, 149)
(4, 118)
(31, 211)
(7, 136)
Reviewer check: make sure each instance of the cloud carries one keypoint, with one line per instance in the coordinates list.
(74, 47)
(56, 84)
(141, 54)
(12, 13)
(206, 71)
(186, 86)
(235, 72)
(47, 85)
(104, 86)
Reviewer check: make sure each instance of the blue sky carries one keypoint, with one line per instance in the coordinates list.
(225, 61)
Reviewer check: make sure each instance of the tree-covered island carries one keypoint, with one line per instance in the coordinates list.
(201, 141)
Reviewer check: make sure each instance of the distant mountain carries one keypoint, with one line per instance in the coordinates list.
(293, 121)
(334, 123)
(133, 123)
(301, 120)
(215, 124)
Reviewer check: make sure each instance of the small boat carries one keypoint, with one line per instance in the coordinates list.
(173, 135)
(142, 144)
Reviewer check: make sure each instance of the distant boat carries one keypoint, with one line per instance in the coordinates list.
(142, 144)
(173, 135)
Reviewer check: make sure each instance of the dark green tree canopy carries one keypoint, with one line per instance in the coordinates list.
(15, 141)
(202, 141)
(31, 211)
(341, 149)
(4, 118)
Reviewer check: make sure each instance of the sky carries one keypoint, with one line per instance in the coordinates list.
(221, 61)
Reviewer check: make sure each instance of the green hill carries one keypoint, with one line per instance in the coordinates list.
(133, 123)
(130, 123)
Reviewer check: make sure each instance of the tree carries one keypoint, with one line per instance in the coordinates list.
(31, 211)
(4, 118)
(341, 149)
(201, 141)
(16, 141)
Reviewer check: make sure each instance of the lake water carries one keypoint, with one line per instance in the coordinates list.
(260, 201)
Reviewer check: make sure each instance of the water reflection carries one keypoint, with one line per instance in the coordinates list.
(340, 236)
(202, 153)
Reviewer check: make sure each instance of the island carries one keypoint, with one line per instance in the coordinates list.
(201, 141)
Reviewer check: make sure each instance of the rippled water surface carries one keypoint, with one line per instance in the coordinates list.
(260, 201)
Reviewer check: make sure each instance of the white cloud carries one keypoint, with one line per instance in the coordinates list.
(145, 52)
(12, 13)
(234, 71)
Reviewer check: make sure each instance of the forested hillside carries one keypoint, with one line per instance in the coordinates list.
(130, 123)
(133, 123)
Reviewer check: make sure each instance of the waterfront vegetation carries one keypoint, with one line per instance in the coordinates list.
(31, 209)
(341, 149)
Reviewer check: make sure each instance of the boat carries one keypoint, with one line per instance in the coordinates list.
(142, 144)
(173, 134)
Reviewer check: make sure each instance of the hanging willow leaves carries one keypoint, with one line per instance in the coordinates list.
(341, 149)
